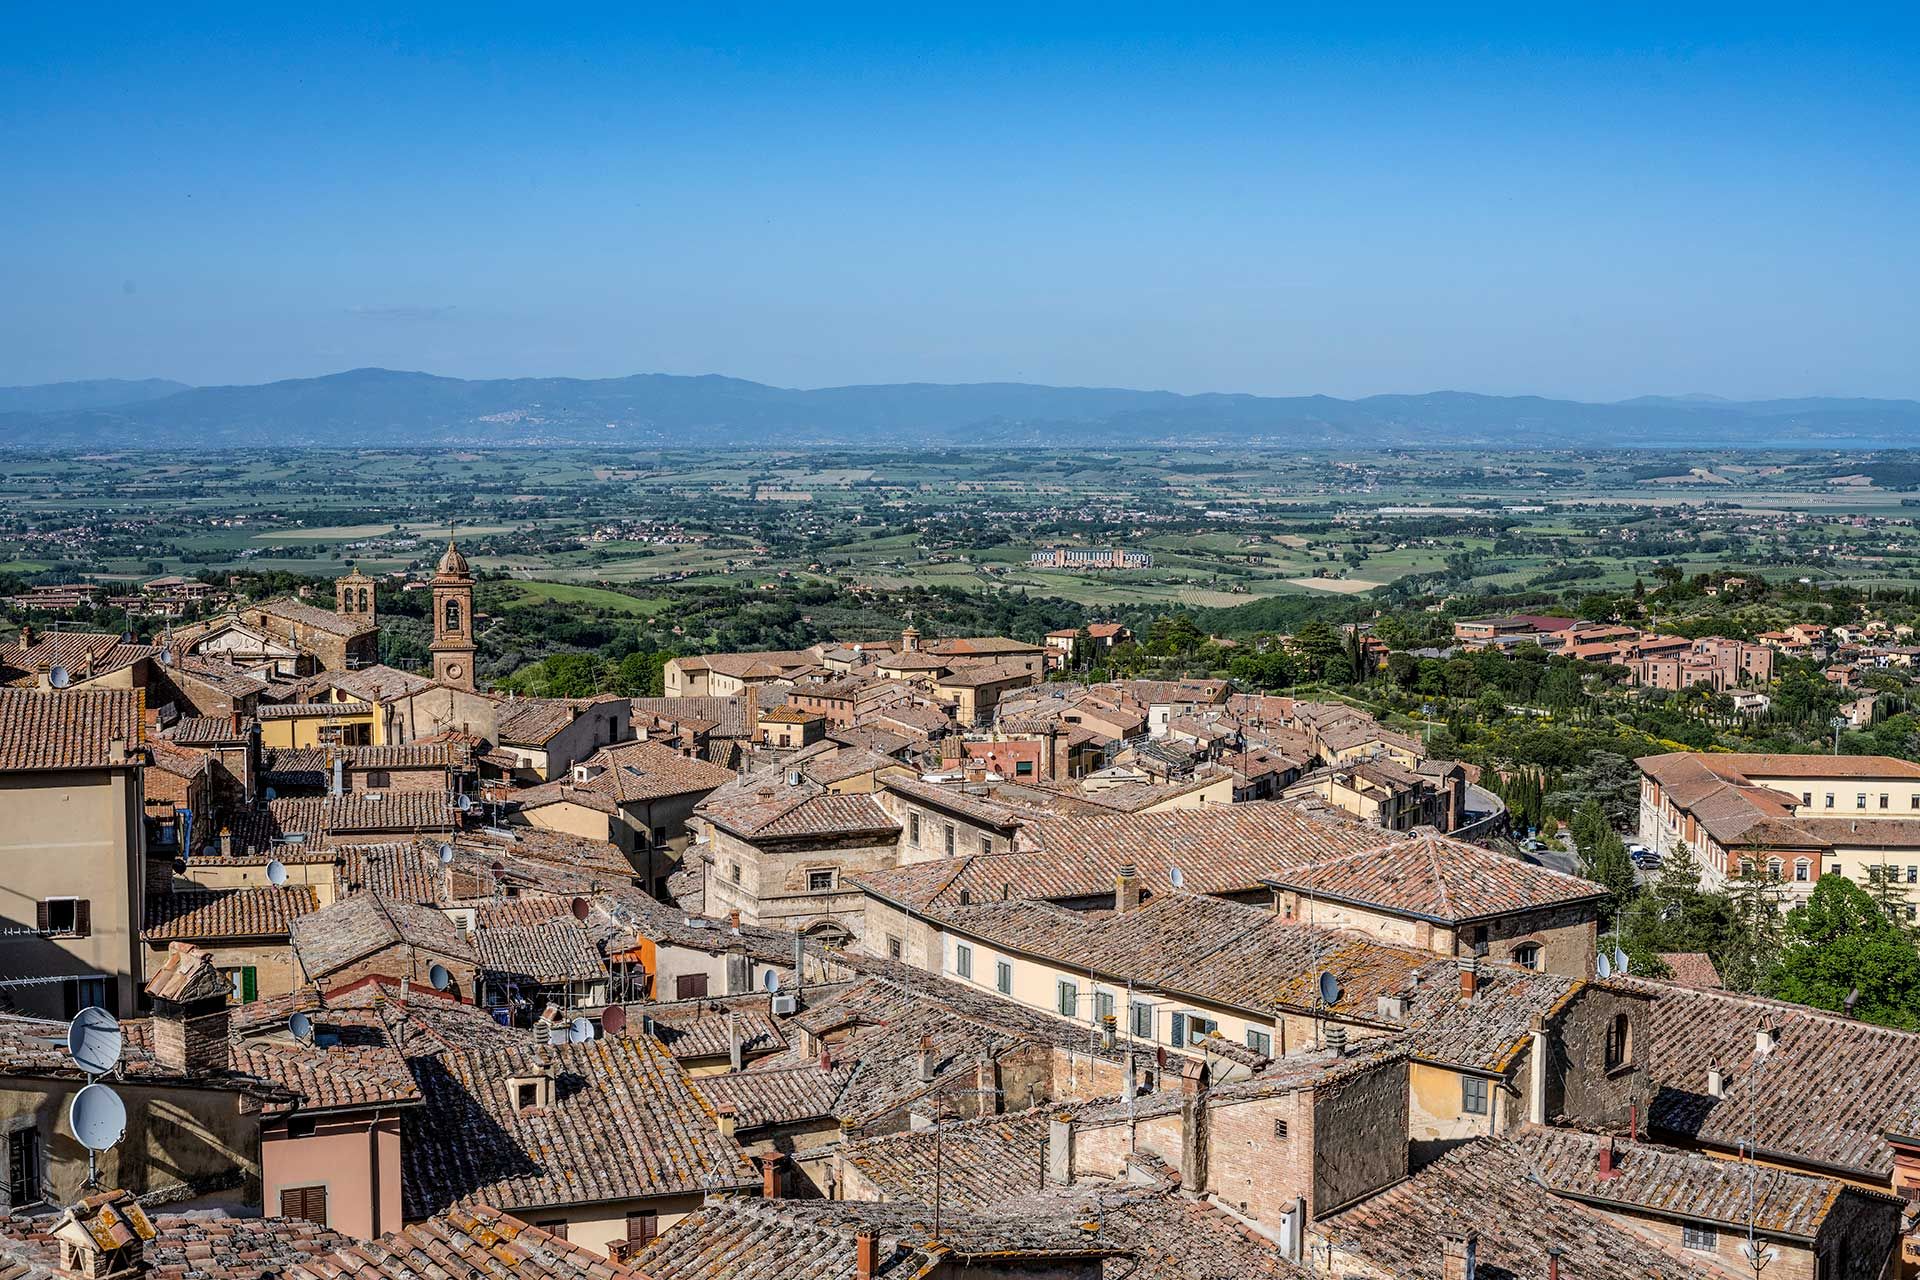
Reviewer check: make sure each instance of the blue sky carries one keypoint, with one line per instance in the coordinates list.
(1596, 204)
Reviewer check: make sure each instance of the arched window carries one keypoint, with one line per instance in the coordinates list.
(1527, 955)
(453, 615)
(1620, 1042)
(1802, 869)
(366, 600)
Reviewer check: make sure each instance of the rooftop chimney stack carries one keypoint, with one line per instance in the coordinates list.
(1461, 1257)
(190, 1018)
(770, 1174)
(733, 1040)
(724, 1117)
(1469, 977)
(1608, 1169)
(1126, 889)
(1337, 1041)
(1553, 1263)
(926, 1060)
(866, 1255)
(1716, 1082)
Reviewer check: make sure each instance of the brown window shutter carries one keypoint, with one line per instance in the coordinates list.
(43, 917)
(83, 918)
(642, 1227)
(306, 1203)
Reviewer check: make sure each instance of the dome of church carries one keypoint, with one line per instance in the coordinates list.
(453, 563)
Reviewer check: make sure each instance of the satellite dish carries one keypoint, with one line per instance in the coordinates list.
(463, 802)
(57, 676)
(613, 1020)
(1176, 877)
(97, 1117)
(580, 908)
(446, 854)
(272, 795)
(580, 1032)
(771, 982)
(276, 872)
(94, 1040)
(301, 1026)
(439, 977)
(1603, 965)
(1329, 989)
(1619, 961)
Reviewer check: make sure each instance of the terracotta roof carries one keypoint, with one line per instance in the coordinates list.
(767, 806)
(1482, 1188)
(364, 923)
(69, 728)
(376, 683)
(467, 1242)
(307, 616)
(209, 730)
(1831, 1087)
(532, 722)
(977, 646)
(350, 1064)
(625, 1123)
(1686, 1185)
(974, 676)
(1692, 969)
(353, 814)
(1433, 878)
(86, 655)
(312, 710)
(727, 717)
(555, 951)
(700, 1029)
(630, 773)
(211, 1246)
(203, 914)
(984, 1161)
(187, 975)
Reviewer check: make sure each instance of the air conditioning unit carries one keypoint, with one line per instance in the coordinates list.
(785, 1006)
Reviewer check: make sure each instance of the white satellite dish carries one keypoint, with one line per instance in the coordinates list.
(1329, 989)
(1603, 965)
(276, 872)
(439, 977)
(770, 981)
(1176, 877)
(1619, 960)
(97, 1117)
(446, 854)
(580, 1032)
(57, 677)
(301, 1026)
(463, 802)
(94, 1041)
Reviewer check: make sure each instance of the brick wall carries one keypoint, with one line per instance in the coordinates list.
(1359, 1128)
(1579, 1084)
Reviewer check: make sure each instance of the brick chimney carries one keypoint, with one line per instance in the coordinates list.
(866, 1255)
(190, 1017)
(724, 1118)
(1469, 977)
(924, 1061)
(104, 1237)
(770, 1174)
(1126, 889)
(986, 1082)
(1195, 1144)
(1608, 1166)
(1461, 1255)
(1336, 1040)
(621, 1252)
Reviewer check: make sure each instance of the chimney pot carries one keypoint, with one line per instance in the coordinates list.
(770, 1175)
(1716, 1082)
(1608, 1168)
(866, 1255)
(926, 1059)
(1337, 1041)
(1469, 976)
(1553, 1263)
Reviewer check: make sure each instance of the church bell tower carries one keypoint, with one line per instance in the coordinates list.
(453, 645)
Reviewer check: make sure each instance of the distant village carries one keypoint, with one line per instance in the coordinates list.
(890, 957)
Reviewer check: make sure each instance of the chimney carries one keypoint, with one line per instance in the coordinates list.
(925, 1060)
(1194, 1125)
(1608, 1170)
(866, 1255)
(986, 1083)
(753, 713)
(1716, 1082)
(1126, 889)
(1461, 1257)
(190, 1017)
(104, 1237)
(733, 1040)
(339, 775)
(233, 721)
(1469, 976)
(724, 1117)
(826, 1056)
(621, 1252)
(770, 1174)
(1336, 1040)
(26, 635)
(1059, 1171)
(226, 843)
(1553, 1263)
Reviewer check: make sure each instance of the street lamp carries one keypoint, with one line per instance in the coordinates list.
(1837, 723)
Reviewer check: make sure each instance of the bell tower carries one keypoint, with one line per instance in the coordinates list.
(353, 595)
(453, 645)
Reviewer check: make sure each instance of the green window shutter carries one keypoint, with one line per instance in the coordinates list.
(249, 986)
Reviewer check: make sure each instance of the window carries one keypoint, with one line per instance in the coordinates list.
(1834, 870)
(1913, 801)
(1699, 1239)
(1193, 1028)
(1261, 1043)
(819, 881)
(1860, 800)
(734, 870)
(1883, 799)
(642, 1227)
(690, 986)
(23, 1167)
(526, 1096)
(555, 1227)
(243, 983)
(1620, 1042)
(66, 917)
(1066, 998)
(85, 993)
(302, 1127)
(1913, 875)
(1473, 1095)
(963, 960)
(1003, 977)
(913, 828)
(659, 835)
(1527, 955)
(986, 844)
(950, 838)
(1774, 867)
(893, 947)
(453, 615)
(306, 1203)
(1177, 1031)
(1023, 768)
(1102, 1006)
(1280, 1130)
(1140, 1020)
(1829, 799)
(1802, 870)
(1806, 798)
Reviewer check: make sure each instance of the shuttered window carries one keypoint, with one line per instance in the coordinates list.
(642, 1227)
(690, 986)
(307, 1203)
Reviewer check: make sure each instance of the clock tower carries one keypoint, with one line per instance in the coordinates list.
(453, 645)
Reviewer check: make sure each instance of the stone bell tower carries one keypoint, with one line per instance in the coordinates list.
(453, 645)
(353, 595)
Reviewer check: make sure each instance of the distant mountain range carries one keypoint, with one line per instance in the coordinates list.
(381, 407)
